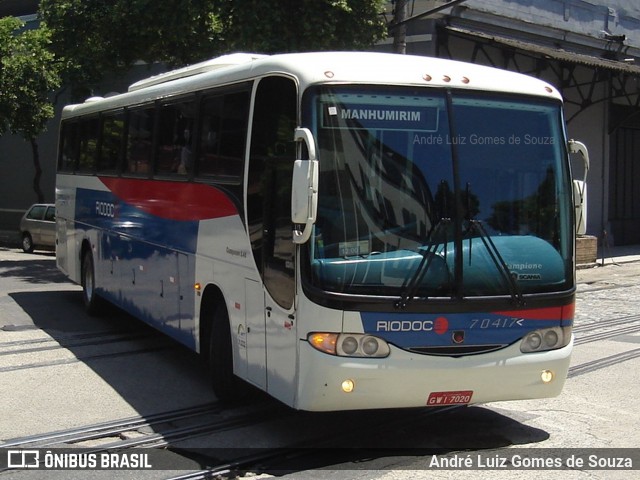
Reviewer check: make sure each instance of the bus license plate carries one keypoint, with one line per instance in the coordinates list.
(461, 397)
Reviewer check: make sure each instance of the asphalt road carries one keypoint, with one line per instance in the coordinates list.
(60, 368)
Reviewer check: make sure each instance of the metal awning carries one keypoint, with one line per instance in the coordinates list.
(550, 52)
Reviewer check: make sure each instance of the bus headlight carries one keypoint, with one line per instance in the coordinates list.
(370, 345)
(349, 344)
(546, 339)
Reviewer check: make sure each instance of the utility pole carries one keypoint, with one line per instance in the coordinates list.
(398, 26)
(400, 32)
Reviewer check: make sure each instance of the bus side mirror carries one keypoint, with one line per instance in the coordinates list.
(580, 187)
(304, 188)
(580, 205)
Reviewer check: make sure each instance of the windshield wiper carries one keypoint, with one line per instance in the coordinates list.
(411, 287)
(498, 261)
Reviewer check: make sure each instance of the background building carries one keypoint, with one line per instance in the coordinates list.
(18, 8)
(16, 165)
(589, 49)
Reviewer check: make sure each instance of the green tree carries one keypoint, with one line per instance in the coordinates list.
(95, 37)
(28, 75)
(302, 25)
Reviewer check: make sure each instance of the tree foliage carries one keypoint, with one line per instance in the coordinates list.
(83, 40)
(28, 75)
(301, 25)
(94, 37)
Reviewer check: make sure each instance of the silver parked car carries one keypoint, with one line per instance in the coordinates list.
(38, 227)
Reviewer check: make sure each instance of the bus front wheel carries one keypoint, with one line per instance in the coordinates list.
(224, 382)
(88, 280)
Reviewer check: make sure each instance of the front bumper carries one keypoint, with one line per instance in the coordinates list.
(405, 379)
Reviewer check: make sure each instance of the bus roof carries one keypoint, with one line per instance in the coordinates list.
(322, 67)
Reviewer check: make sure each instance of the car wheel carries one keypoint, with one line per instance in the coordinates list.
(27, 242)
(88, 280)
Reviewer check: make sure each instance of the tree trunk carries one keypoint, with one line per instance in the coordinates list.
(400, 32)
(38, 170)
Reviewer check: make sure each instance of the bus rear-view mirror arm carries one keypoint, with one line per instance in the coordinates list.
(304, 188)
(579, 147)
(580, 187)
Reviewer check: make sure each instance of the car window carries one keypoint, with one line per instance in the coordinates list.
(37, 212)
(50, 216)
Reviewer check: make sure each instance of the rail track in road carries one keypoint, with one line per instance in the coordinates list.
(110, 429)
(599, 363)
(168, 429)
(17, 355)
(159, 430)
(606, 329)
(296, 457)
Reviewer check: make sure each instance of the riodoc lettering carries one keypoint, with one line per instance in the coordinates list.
(104, 209)
(404, 325)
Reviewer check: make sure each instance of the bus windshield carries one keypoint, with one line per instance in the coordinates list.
(434, 193)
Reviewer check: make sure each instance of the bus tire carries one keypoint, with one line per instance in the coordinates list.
(223, 381)
(88, 281)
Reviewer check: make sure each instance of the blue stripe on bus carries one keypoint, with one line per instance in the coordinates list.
(408, 330)
(103, 210)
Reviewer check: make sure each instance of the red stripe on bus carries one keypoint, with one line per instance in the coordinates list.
(550, 313)
(172, 200)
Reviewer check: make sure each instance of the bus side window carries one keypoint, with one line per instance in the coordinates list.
(223, 132)
(68, 154)
(210, 122)
(88, 134)
(139, 140)
(111, 142)
(175, 138)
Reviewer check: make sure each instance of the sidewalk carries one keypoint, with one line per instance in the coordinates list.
(619, 267)
(616, 255)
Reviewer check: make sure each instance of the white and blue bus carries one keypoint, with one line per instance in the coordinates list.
(341, 230)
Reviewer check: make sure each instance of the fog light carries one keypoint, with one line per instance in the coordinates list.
(546, 376)
(348, 386)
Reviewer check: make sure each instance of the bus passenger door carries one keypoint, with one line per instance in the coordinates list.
(252, 336)
(279, 281)
(271, 335)
(268, 214)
